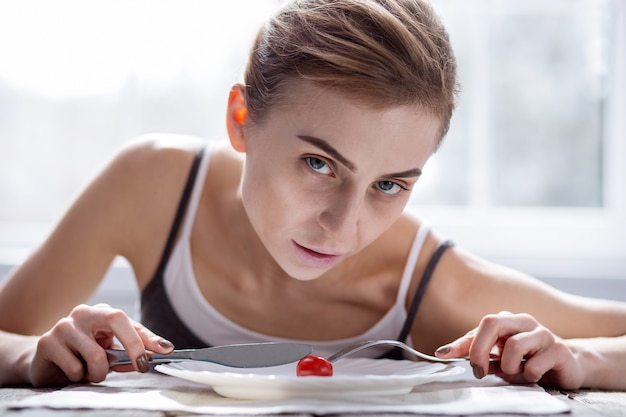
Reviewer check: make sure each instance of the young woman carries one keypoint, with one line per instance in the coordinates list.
(297, 230)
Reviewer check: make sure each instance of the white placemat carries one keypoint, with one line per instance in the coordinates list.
(461, 396)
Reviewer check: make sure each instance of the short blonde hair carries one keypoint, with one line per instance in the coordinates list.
(387, 52)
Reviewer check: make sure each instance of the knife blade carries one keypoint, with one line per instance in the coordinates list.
(245, 355)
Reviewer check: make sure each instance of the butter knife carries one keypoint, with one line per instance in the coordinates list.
(246, 355)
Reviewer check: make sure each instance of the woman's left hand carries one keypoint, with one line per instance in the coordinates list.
(528, 352)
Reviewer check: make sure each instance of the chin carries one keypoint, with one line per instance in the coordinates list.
(305, 274)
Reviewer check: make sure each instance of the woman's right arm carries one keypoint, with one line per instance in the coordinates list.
(73, 349)
(15, 351)
(126, 211)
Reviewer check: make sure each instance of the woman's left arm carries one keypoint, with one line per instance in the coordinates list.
(529, 352)
(539, 333)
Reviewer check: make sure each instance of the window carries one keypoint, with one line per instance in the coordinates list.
(532, 173)
(78, 79)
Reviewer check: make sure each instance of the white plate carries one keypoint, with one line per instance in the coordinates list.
(355, 377)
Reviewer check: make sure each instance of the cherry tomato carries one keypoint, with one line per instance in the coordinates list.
(314, 366)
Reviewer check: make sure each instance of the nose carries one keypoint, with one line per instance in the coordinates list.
(340, 218)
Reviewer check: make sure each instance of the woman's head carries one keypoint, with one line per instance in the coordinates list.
(383, 52)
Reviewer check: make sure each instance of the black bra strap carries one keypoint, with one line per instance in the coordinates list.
(421, 289)
(180, 212)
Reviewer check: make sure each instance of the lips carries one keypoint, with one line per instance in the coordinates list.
(314, 258)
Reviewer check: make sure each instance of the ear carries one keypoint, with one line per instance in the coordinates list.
(236, 115)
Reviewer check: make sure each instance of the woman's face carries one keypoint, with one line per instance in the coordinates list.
(326, 175)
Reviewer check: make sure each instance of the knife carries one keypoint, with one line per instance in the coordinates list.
(245, 355)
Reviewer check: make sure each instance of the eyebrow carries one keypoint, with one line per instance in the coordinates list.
(329, 149)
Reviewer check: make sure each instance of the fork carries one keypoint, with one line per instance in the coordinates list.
(369, 343)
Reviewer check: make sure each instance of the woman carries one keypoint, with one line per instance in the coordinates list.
(298, 231)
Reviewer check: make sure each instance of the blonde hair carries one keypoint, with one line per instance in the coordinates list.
(386, 52)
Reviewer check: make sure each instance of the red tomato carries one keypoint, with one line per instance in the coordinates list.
(314, 366)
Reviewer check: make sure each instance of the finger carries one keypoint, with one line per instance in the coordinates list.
(554, 360)
(531, 371)
(54, 363)
(153, 341)
(489, 334)
(524, 346)
(92, 358)
(65, 354)
(103, 324)
(458, 348)
(135, 337)
(494, 368)
(124, 329)
(108, 323)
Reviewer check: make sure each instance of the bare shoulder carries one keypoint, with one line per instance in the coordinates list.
(163, 160)
(149, 175)
(152, 167)
(157, 155)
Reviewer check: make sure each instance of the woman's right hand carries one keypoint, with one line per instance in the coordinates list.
(73, 349)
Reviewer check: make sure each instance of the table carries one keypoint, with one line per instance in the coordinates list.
(583, 403)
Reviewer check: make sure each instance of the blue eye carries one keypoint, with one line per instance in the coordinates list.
(389, 187)
(318, 165)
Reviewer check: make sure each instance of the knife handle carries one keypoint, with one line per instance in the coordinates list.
(119, 357)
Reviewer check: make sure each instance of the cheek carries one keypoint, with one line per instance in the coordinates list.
(272, 201)
(375, 229)
(378, 219)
